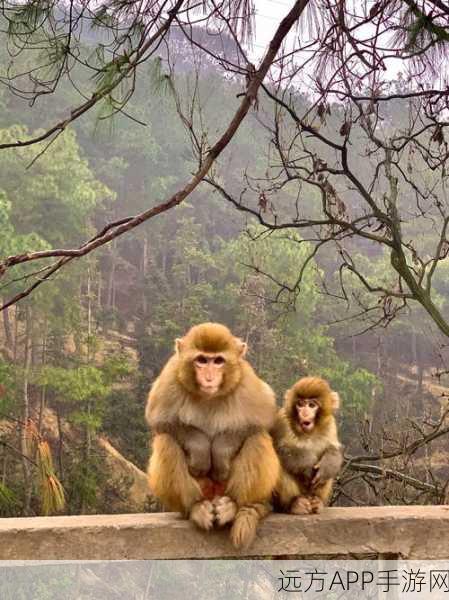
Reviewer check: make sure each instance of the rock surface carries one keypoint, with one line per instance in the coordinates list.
(414, 532)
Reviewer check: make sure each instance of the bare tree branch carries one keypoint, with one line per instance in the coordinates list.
(206, 163)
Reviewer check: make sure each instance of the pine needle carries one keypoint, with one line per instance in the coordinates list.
(51, 490)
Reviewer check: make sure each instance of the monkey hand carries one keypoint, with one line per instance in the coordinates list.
(203, 514)
(316, 504)
(225, 510)
(298, 461)
(328, 467)
(317, 476)
(301, 506)
(320, 474)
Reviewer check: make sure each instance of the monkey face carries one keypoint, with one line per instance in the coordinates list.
(209, 371)
(307, 412)
(209, 360)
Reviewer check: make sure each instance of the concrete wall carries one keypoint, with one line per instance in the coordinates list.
(414, 532)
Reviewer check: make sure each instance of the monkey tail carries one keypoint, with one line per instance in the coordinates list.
(243, 530)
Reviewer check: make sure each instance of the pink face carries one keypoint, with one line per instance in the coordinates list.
(209, 371)
(307, 410)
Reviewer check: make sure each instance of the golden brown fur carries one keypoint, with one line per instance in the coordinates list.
(243, 401)
(303, 454)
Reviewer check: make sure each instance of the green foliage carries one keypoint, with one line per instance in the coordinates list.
(145, 289)
(84, 480)
(161, 83)
(355, 386)
(441, 285)
(8, 500)
(44, 189)
(238, 283)
(116, 368)
(84, 389)
(8, 387)
(74, 385)
(123, 422)
(10, 241)
(51, 491)
(422, 30)
(26, 18)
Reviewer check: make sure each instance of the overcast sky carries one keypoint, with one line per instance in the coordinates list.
(269, 13)
(268, 16)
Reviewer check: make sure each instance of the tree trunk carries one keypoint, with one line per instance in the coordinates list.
(420, 377)
(44, 387)
(144, 277)
(111, 280)
(379, 358)
(16, 334)
(89, 305)
(99, 290)
(25, 416)
(7, 327)
(417, 362)
(414, 350)
(4, 467)
(60, 445)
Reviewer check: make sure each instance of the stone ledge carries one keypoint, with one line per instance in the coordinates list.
(414, 532)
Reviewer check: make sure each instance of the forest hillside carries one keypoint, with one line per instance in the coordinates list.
(78, 355)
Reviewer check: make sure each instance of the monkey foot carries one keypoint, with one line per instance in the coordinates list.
(301, 506)
(225, 510)
(243, 530)
(203, 514)
(317, 504)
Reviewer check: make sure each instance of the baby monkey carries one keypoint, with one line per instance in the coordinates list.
(306, 440)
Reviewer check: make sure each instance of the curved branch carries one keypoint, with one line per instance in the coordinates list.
(97, 96)
(130, 223)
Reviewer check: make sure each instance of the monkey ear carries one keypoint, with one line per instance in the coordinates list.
(178, 345)
(242, 348)
(335, 400)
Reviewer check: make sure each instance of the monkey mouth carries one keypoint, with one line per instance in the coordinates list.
(307, 426)
(209, 390)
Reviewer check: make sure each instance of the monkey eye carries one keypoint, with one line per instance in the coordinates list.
(202, 360)
(219, 360)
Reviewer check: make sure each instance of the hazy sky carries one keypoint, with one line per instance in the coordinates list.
(269, 13)
(268, 16)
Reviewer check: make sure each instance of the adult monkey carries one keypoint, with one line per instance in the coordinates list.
(221, 402)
